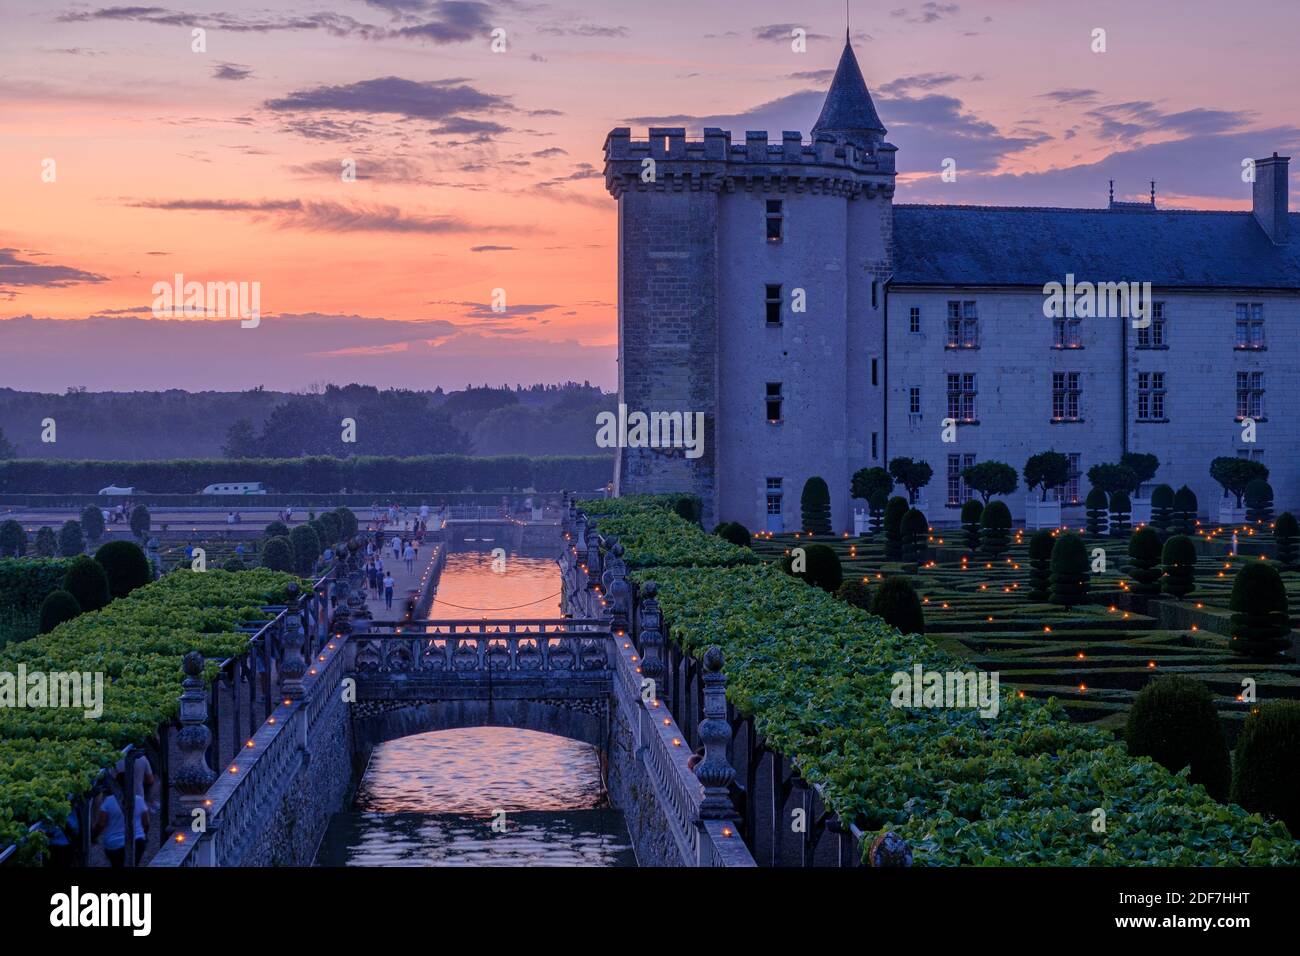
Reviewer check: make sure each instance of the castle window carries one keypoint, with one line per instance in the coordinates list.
(874, 446)
(1250, 325)
(914, 319)
(1250, 395)
(958, 492)
(774, 402)
(914, 400)
(773, 303)
(1250, 454)
(874, 284)
(775, 219)
(875, 376)
(1071, 490)
(1151, 396)
(1153, 335)
(961, 396)
(774, 495)
(1065, 396)
(1066, 333)
(963, 326)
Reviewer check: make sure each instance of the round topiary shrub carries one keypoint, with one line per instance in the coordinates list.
(995, 529)
(1185, 508)
(276, 529)
(233, 564)
(71, 541)
(1040, 564)
(1097, 513)
(1162, 508)
(47, 543)
(915, 530)
(894, 511)
(856, 593)
(1179, 560)
(820, 566)
(1259, 501)
(896, 603)
(815, 506)
(735, 532)
(687, 508)
(13, 539)
(277, 555)
(1173, 721)
(1260, 625)
(333, 527)
(92, 523)
(1069, 570)
(126, 566)
(88, 583)
(306, 548)
(1121, 514)
(1144, 561)
(1266, 773)
(971, 513)
(347, 521)
(58, 606)
(1286, 531)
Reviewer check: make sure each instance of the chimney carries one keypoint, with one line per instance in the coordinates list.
(1270, 198)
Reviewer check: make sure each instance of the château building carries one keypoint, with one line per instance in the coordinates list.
(822, 328)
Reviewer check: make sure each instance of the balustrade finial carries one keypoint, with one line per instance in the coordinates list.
(192, 776)
(293, 664)
(715, 770)
(650, 630)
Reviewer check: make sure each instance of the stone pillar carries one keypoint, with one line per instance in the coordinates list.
(580, 533)
(715, 771)
(191, 775)
(649, 626)
(292, 664)
(593, 557)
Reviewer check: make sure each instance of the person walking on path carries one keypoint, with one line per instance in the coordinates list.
(408, 555)
(396, 545)
(388, 591)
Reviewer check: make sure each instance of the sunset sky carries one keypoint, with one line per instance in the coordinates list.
(479, 170)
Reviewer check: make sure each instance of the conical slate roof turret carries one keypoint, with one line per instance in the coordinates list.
(848, 110)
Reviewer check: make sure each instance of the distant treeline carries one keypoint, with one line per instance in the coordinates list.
(359, 475)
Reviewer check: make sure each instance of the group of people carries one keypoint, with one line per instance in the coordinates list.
(120, 514)
(397, 516)
(108, 826)
(234, 518)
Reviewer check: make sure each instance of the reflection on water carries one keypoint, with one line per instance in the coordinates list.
(519, 587)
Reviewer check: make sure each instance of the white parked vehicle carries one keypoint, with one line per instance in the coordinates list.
(235, 488)
(115, 490)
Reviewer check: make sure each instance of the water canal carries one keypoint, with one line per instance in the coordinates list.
(432, 799)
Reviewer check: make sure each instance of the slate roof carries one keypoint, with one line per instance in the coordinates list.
(848, 107)
(1001, 245)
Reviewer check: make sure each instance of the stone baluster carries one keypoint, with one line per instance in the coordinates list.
(580, 533)
(191, 776)
(650, 628)
(292, 664)
(715, 770)
(612, 551)
(593, 557)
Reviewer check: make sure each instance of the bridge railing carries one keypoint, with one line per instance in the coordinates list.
(468, 648)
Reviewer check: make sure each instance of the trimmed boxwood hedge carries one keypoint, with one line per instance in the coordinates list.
(24, 582)
(1020, 789)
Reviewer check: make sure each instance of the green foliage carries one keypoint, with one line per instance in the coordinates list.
(1286, 531)
(24, 582)
(277, 554)
(348, 523)
(687, 510)
(125, 565)
(58, 606)
(1047, 470)
(1111, 478)
(47, 542)
(911, 474)
(894, 511)
(856, 593)
(1234, 474)
(1162, 508)
(989, 478)
(896, 603)
(1097, 512)
(1179, 560)
(995, 529)
(1173, 721)
(971, 514)
(1260, 624)
(1121, 513)
(141, 521)
(13, 539)
(306, 548)
(915, 531)
(1185, 508)
(876, 510)
(868, 482)
(1266, 773)
(71, 541)
(820, 566)
(88, 583)
(1069, 570)
(92, 523)
(276, 529)
(1144, 467)
(1040, 564)
(233, 564)
(735, 532)
(652, 535)
(815, 506)
(333, 527)
(1259, 501)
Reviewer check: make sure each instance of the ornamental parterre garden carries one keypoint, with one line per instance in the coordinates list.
(1021, 788)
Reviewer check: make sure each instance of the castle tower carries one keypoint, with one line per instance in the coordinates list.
(752, 289)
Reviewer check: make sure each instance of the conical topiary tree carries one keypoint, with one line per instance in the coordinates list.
(916, 534)
(1173, 721)
(1144, 561)
(995, 529)
(92, 524)
(1069, 576)
(1162, 508)
(1040, 565)
(1286, 530)
(1185, 508)
(306, 548)
(815, 506)
(13, 539)
(818, 565)
(71, 541)
(895, 602)
(277, 554)
(125, 565)
(1179, 560)
(1259, 502)
(1121, 513)
(971, 513)
(876, 510)
(1097, 513)
(47, 542)
(58, 606)
(141, 521)
(894, 511)
(1260, 625)
(1266, 773)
